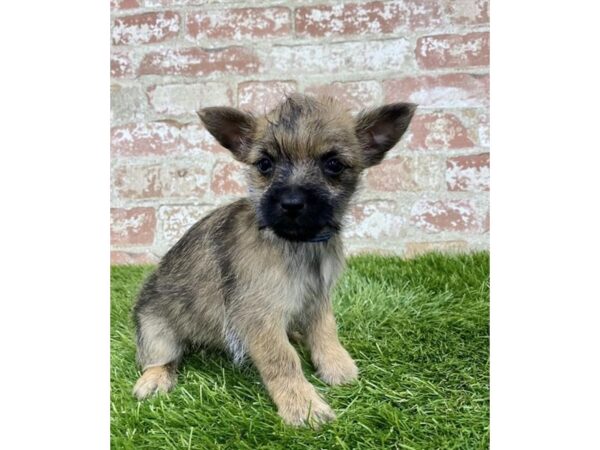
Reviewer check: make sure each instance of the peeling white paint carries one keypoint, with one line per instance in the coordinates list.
(175, 220)
(373, 220)
(332, 58)
(145, 32)
(463, 178)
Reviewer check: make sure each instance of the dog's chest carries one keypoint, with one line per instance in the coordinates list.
(310, 277)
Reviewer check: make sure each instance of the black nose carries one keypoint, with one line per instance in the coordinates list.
(292, 203)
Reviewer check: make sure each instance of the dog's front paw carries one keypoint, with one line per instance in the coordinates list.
(305, 408)
(337, 368)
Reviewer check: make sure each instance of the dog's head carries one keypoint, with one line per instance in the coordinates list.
(305, 158)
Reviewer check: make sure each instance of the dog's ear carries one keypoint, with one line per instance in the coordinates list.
(232, 128)
(379, 129)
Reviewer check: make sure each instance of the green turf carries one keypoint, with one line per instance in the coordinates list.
(418, 330)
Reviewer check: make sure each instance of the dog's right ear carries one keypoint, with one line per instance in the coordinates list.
(232, 128)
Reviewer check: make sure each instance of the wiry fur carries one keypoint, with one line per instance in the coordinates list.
(249, 274)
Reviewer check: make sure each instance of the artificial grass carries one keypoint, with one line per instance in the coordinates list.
(418, 330)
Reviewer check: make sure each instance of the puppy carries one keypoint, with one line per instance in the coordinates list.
(251, 273)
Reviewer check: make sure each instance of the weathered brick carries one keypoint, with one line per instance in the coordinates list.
(124, 4)
(127, 104)
(421, 13)
(180, 99)
(175, 220)
(228, 179)
(354, 95)
(483, 129)
(119, 257)
(437, 131)
(453, 50)
(349, 18)
(434, 216)
(121, 65)
(413, 249)
(468, 173)
(162, 138)
(349, 57)
(373, 220)
(454, 90)
(133, 226)
(146, 28)
(239, 23)
(199, 62)
(157, 3)
(156, 181)
(366, 18)
(405, 174)
(330, 59)
(262, 96)
(467, 12)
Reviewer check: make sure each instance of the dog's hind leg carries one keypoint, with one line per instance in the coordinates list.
(159, 353)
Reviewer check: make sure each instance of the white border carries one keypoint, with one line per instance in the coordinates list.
(544, 237)
(55, 225)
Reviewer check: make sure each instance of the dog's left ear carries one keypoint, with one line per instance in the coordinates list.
(232, 128)
(379, 129)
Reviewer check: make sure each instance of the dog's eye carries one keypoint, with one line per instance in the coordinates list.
(333, 166)
(264, 165)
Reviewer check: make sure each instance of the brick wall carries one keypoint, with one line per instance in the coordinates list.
(171, 57)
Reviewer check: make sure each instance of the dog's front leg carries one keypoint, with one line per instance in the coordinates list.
(333, 363)
(279, 366)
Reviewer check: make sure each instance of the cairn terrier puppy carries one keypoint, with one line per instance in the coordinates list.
(256, 271)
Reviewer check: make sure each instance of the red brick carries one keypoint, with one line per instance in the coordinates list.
(122, 258)
(374, 219)
(262, 96)
(434, 216)
(181, 99)
(413, 249)
(200, 62)
(132, 226)
(156, 3)
(468, 173)
(347, 19)
(145, 28)
(366, 18)
(437, 131)
(405, 174)
(239, 23)
(228, 179)
(124, 4)
(121, 66)
(162, 138)
(453, 90)
(155, 181)
(354, 95)
(453, 50)
(468, 12)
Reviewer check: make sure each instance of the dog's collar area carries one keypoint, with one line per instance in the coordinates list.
(322, 237)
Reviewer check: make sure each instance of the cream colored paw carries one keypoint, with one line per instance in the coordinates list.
(153, 380)
(337, 368)
(305, 409)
